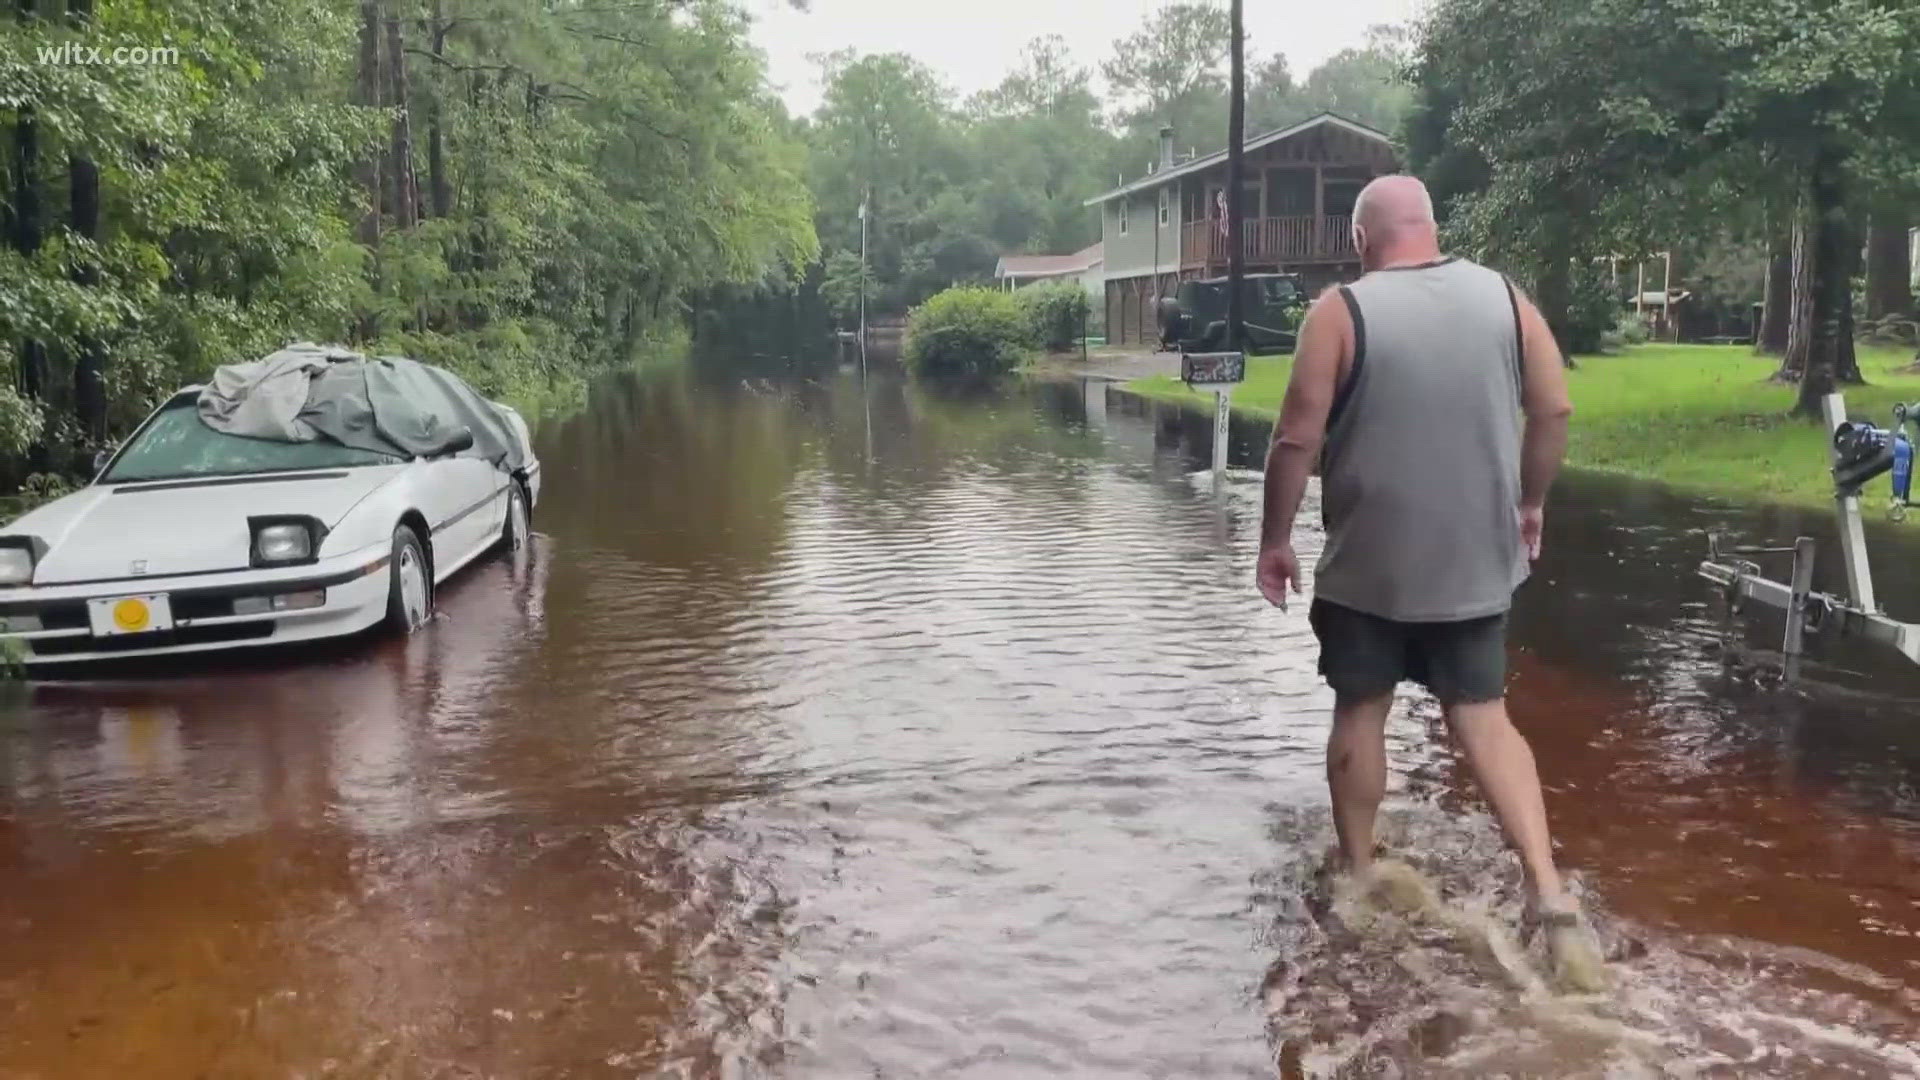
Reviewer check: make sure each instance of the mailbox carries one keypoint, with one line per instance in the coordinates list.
(1213, 371)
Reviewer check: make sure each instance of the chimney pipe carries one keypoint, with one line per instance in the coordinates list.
(1166, 147)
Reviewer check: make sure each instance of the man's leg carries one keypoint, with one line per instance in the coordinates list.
(1465, 664)
(1357, 773)
(1362, 659)
(1503, 764)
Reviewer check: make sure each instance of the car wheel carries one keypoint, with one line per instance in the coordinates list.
(410, 592)
(517, 529)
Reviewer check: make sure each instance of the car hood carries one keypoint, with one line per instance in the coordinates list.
(181, 527)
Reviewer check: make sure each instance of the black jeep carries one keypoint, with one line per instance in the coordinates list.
(1194, 319)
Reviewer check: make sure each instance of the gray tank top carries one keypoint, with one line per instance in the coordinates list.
(1420, 476)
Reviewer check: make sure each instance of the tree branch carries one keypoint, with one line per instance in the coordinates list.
(446, 63)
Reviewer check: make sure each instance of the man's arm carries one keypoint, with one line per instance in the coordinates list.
(1543, 395)
(1321, 355)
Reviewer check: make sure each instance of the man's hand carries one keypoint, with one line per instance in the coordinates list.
(1533, 522)
(1279, 572)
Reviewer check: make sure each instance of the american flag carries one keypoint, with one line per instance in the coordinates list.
(1220, 204)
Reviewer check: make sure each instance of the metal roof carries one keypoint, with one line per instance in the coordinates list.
(1018, 266)
(1153, 180)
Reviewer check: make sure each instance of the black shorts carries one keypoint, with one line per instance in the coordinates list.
(1364, 656)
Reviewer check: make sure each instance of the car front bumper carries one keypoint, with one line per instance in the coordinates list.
(51, 621)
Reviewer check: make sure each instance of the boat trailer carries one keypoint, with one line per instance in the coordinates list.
(1861, 452)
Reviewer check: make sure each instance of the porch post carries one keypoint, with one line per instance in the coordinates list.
(1321, 244)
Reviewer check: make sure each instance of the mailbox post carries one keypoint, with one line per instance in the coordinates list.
(1217, 372)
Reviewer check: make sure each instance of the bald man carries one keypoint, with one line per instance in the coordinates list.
(1408, 390)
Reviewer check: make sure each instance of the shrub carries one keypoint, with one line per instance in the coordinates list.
(1056, 313)
(967, 332)
(1628, 329)
(1593, 308)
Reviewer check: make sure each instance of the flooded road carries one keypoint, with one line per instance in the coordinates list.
(832, 733)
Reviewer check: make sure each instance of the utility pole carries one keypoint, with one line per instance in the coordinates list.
(1236, 137)
(865, 195)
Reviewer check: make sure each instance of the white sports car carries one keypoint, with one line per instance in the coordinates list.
(192, 538)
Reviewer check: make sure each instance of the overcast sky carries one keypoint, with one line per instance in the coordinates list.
(972, 43)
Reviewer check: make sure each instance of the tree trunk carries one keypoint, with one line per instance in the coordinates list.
(90, 359)
(1847, 363)
(1793, 362)
(441, 193)
(477, 243)
(1774, 315)
(1835, 248)
(367, 93)
(1553, 294)
(1889, 261)
(406, 198)
(28, 230)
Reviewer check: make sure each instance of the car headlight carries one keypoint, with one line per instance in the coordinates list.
(281, 541)
(16, 565)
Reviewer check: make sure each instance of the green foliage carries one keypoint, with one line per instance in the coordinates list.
(1178, 55)
(21, 420)
(37, 490)
(1056, 313)
(1593, 310)
(1700, 417)
(968, 333)
(1720, 118)
(568, 175)
(1365, 84)
(841, 287)
(950, 190)
(44, 488)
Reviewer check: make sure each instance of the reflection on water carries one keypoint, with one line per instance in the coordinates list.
(839, 729)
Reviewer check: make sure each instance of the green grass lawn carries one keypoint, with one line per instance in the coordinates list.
(1702, 417)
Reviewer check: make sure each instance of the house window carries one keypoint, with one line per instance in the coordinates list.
(1290, 192)
(1166, 207)
(1251, 193)
(1124, 203)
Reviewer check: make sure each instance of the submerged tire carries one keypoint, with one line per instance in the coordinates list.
(410, 583)
(518, 526)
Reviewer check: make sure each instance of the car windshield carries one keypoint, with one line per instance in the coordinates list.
(178, 445)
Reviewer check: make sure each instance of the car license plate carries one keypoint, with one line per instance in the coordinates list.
(130, 615)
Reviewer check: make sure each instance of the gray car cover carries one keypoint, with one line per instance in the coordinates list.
(384, 404)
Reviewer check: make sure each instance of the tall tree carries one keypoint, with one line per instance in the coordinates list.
(1171, 72)
(28, 228)
(1273, 98)
(590, 165)
(1362, 84)
(1176, 55)
(83, 208)
(1889, 260)
(439, 189)
(1778, 300)
(405, 195)
(884, 128)
(1042, 132)
(1793, 97)
(370, 93)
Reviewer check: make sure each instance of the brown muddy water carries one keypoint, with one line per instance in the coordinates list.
(832, 733)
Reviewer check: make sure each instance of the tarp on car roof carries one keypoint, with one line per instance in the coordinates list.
(385, 404)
